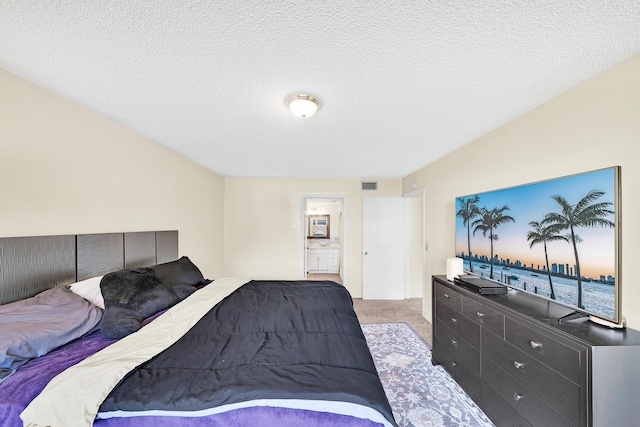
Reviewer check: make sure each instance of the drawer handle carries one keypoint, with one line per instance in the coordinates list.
(454, 342)
(454, 320)
(535, 345)
(479, 314)
(447, 296)
(517, 364)
(517, 397)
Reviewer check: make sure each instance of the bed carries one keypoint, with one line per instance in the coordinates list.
(180, 349)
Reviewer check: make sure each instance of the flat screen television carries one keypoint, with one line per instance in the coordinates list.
(558, 239)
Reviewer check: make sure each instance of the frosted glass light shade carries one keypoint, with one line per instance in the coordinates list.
(303, 105)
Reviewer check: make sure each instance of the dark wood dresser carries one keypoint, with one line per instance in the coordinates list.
(524, 367)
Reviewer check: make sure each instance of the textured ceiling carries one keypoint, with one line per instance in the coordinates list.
(402, 83)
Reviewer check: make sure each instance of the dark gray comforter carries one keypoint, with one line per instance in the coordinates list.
(267, 340)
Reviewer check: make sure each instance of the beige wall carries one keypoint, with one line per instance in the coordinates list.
(65, 170)
(264, 228)
(592, 126)
(334, 211)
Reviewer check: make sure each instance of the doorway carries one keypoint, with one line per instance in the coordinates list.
(416, 247)
(323, 238)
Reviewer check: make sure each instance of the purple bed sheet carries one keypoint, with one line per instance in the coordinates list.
(18, 390)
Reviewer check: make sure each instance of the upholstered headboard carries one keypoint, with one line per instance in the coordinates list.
(30, 265)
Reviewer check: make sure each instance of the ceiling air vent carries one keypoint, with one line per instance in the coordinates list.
(370, 186)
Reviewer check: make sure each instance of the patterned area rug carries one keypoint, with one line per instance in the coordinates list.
(421, 395)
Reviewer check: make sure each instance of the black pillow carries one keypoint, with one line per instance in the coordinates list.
(130, 296)
(179, 272)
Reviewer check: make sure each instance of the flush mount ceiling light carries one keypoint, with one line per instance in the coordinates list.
(303, 105)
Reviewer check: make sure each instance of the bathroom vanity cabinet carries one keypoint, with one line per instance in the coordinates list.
(323, 260)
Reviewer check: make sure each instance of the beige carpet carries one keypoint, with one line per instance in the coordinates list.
(384, 311)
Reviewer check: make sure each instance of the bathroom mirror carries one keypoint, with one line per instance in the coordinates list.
(318, 227)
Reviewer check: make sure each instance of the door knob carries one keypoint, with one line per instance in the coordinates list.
(366, 253)
(535, 345)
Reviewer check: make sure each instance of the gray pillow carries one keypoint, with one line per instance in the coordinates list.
(35, 326)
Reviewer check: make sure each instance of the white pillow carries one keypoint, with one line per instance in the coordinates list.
(90, 290)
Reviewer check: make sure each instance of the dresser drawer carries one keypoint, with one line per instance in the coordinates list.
(450, 297)
(471, 383)
(558, 391)
(499, 411)
(525, 401)
(459, 346)
(458, 323)
(556, 355)
(483, 315)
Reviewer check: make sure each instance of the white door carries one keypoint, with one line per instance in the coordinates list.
(384, 247)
